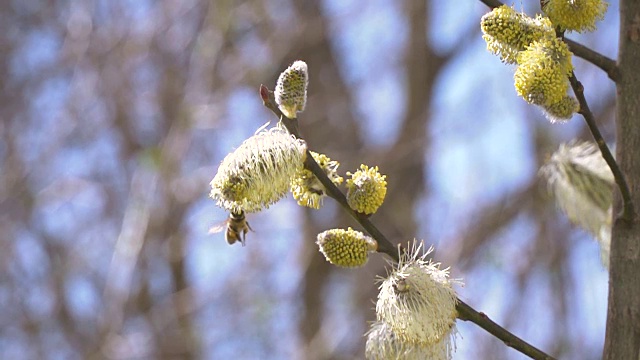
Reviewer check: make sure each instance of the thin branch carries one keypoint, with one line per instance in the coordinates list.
(628, 212)
(465, 312)
(606, 64)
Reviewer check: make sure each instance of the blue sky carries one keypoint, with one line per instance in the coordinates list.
(480, 150)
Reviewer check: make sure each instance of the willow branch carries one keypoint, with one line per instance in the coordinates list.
(465, 312)
(606, 64)
(628, 212)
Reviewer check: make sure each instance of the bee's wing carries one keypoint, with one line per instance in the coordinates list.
(218, 227)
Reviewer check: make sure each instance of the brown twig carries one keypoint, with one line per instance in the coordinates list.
(628, 211)
(607, 65)
(465, 312)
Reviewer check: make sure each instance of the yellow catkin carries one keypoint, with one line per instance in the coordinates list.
(366, 189)
(345, 248)
(575, 15)
(307, 189)
(542, 74)
(507, 32)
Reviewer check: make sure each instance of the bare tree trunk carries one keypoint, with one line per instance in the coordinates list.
(623, 315)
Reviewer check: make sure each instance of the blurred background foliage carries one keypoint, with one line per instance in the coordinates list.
(115, 114)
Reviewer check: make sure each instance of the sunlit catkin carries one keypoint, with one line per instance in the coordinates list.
(305, 186)
(562, 110)
(542, 76)
(291, 89)
(382, 344)
(258, 173)
(507, 32)
(582, 183)
(575, 15)
(366, 189)
(417, 300)
(346, 248)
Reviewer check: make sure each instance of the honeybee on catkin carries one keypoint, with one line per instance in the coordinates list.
(236, 228)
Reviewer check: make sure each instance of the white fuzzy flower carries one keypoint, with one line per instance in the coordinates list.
(383, 344)
(582, 185)
(417, 300)
(258, 173)
(291, 89)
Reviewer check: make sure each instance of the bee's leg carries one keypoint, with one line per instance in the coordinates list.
(242, 236)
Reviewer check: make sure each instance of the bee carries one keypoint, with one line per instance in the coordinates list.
(236, 228)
